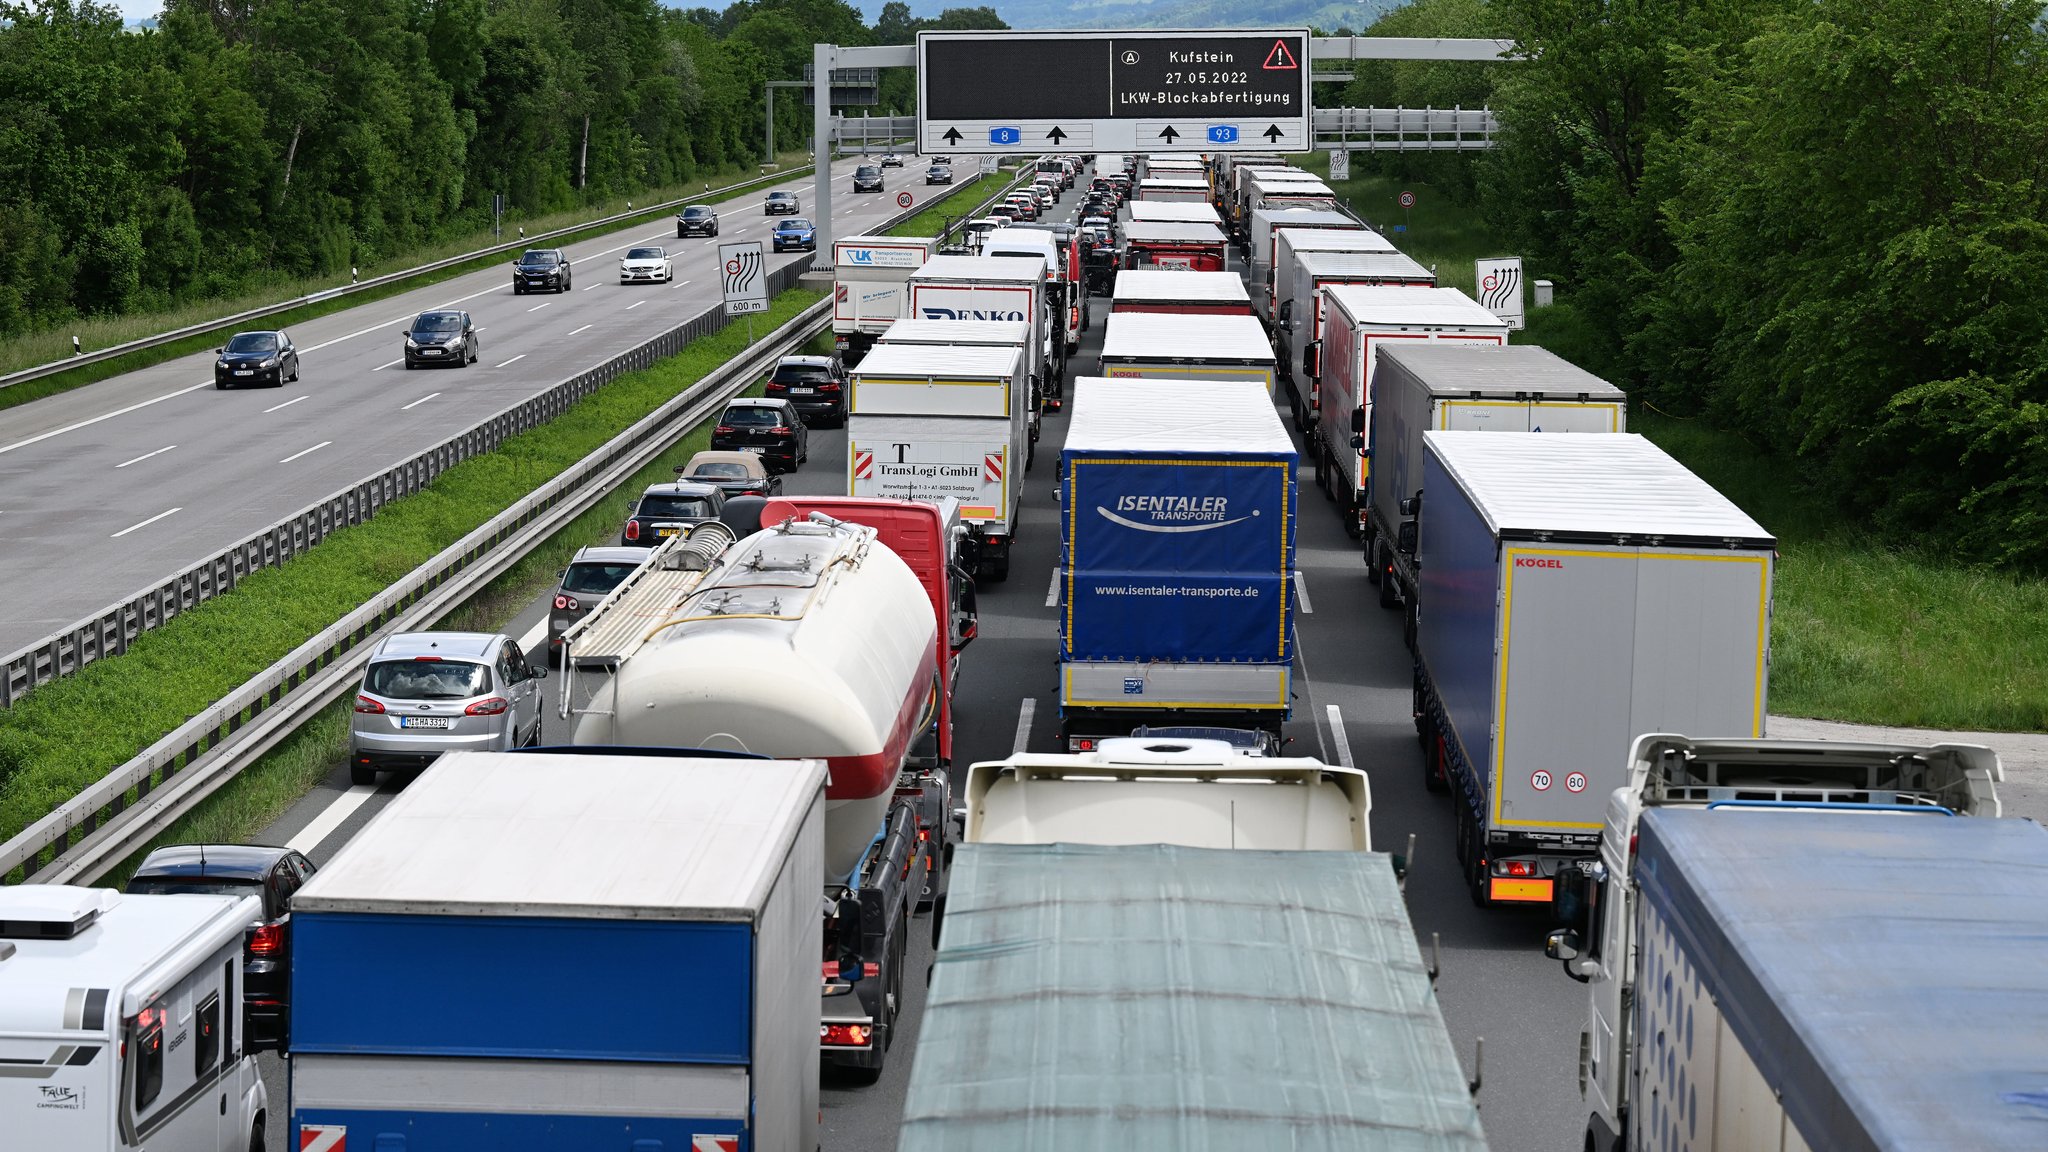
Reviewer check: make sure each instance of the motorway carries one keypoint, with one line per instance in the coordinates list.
(1354, 677)
(123, 483)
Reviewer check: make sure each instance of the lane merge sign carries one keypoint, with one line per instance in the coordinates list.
(743, 276)
(1193, 91)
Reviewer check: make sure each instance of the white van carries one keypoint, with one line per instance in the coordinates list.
(120, 1022)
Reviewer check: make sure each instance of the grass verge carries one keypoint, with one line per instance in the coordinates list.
(933, 218)
(44, 347)
(1864, 629)
(69, 733)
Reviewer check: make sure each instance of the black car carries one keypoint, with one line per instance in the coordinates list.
(769, 427)
(273, 874)
(666, 510)
(441, 338)
(867, 178)
(256, 358)
(938, 174)
(814, 385)
(697, 220)
(540, 269)
(781, 204)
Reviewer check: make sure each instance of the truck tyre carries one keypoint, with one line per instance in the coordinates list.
(999, 571)
(1436, 774)
(1390, 590)
(256, 1134)
(1352, 528)
(1410, 625)
(1464, 839)
(1476, 868)
(1030, 452)
(1322, 469)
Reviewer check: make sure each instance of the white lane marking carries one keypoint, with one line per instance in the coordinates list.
(393, 364)
(534, 636)
(1025, 711)
(680, 283)
(1301, 593)
(145, 456)
(514, 360)
(635, 304)
(96, 419)
(1052, 590)
(286, 404)
(306, 452)
(592, 288)
(585, 328)
(330, 818)
(144, 524)
(1338, 737)
(418, 402)
(545, 303)
(737, 231)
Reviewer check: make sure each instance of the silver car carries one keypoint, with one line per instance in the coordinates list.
(589, 578)
(426, 693)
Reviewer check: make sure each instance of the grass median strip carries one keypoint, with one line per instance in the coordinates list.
(39, 348)
(954, 205)
(71, 732)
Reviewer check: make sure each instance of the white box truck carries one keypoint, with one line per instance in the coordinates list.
(1174, 189)
(981, 334)
(1258, 241)
(1666, 770)
(1834, 982)
(1576, 591)
(1237, 189)
(1167, 212)
(1003, 288)
(1298, 284)
(1166, 346)
(541, 949)
(121, 1023)
(1185, 293)
(868, 278)
(1358, 320)
(937, 458)
(1481, 388)
(1290, 243)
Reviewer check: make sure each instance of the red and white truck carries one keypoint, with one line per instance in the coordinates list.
(1065, 288)
(1175, 189)
(1290, 243)
(868, 278)
(1358, 319)
(1266, 221)
(1299, 321)
(1006, 288)
(1181, 293)
(1164, 346)
(1175, 246)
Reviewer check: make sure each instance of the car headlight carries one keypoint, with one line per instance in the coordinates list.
(410, 342)
(270, 363)
(453, 342)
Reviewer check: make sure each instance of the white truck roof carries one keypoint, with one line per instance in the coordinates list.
(917, 330)
(128, 939)
(1172, 231)
(1174, 180)
(1325, 263)
(1617, 484)
(1410, 305)
(1300, 240)
(992, 360)
(1169, 285)
(999, 269)
(1291, 182)
(1497, 369)
(1290, 217)
(529, 834)
(1139, 415)
(1168, 212)
(1170, 335)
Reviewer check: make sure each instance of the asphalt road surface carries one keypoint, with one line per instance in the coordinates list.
(128, 481)
(1495, 981)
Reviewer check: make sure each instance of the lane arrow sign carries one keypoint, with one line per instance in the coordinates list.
(952, 136)
(1169, 134)
(1272, 132)
(1055, 135)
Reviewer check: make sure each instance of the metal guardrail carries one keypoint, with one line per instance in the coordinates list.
(117, 350)
(101, 826)
(1405, 129)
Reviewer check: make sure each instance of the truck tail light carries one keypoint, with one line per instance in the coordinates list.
(1084, 745)
(632, 529)
(870, 969)
(1517, 868)
(365, 704)
(267, 940)
(493, 706)
(844, 1035)
(566, 603)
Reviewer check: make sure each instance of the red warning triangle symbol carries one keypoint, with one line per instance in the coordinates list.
(1280, 59)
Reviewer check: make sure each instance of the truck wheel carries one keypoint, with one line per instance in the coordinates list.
(999, 570)
(1410, 625)
(1476, 867)
(1349, 506)
(1030, 453)
(1322, 467)
(256, 1134)
(1464, 835)
(1390, 590)
(1436, 775)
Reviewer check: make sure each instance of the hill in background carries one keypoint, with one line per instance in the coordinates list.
(1028, 14)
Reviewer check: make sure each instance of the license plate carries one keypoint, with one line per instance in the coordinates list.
(666, 531)
(756, 449)
(425, 722)
(245, 372)
(803, 391)
(430, 351)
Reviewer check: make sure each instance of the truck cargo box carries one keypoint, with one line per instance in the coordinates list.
(868, 274)
(1263, 222)
(1290, 243)
(1176, 246)
(1166, 212)
(1576, 591)
(936, 380)
(1162, 997)
(1178, 550)
(1163, 346)
(554, 895)
(935, 458)
(1174, 189)
(1301, 312)
(1185, 293)
(1836, 981)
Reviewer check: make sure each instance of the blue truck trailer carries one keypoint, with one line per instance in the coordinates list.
(545, 950)
(1176, 589)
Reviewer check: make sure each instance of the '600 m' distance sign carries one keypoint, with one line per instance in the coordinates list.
(1034, 92)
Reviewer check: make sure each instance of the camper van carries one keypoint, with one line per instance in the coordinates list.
(120, 1022)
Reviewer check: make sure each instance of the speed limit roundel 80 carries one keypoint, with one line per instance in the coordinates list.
(904, 199)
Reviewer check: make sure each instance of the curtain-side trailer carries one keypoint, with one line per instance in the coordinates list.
(1298, 320)
(1164, 346)
(1265, 221)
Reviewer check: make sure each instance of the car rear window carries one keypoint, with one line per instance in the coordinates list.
(661, 507)
(593, 577)
(800, 374)
(196, 885)
(427, 679)
(720, 471)
(751, 417)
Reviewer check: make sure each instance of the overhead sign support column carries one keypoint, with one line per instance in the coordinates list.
(1032, 92)
(824, 58)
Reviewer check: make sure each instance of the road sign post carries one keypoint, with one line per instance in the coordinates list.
(1033, 92)
(1407, 202)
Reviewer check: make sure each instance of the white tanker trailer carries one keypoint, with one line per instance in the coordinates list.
(808, 639)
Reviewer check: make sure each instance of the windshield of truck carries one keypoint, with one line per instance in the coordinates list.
(409, 679)
(659, 507)
(594, 578)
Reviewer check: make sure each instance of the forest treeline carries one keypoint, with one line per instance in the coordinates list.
(1822, 223)
(235, 140)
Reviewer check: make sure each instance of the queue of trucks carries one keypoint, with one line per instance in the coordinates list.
(1166, 934)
